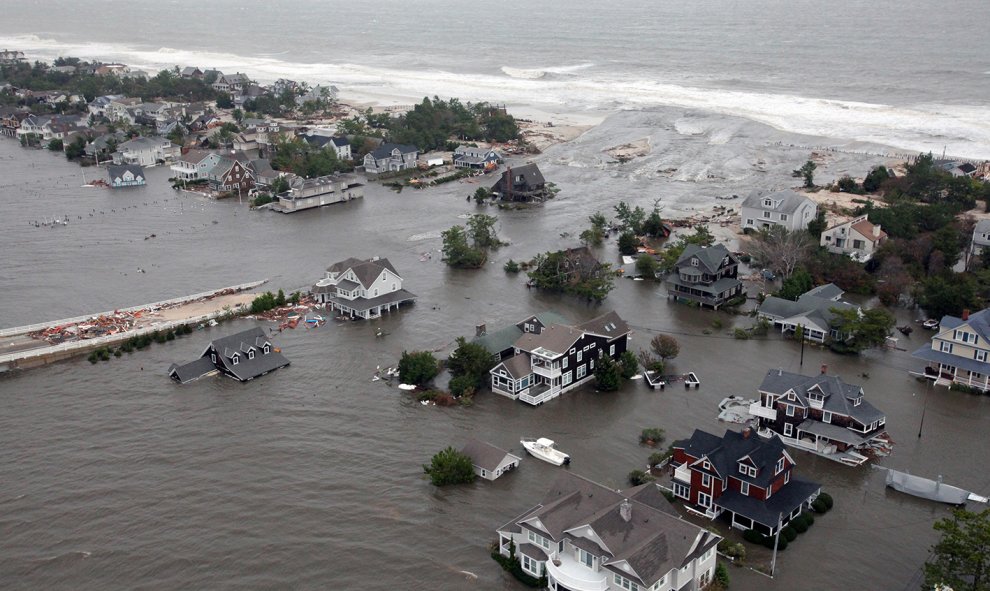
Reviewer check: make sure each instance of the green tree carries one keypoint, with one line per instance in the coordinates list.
(638, 477)
(807, 172)
(817, 225)
(224, 101)
(177, 136)
(481, 228)
(794, 286)
(418, 367)
(628, 364)
(55, 145)
(472, 361)
(961, 558)
(457, 252)
(631, 218)
(875, 179)
(608, 375)
(628, 243)
(450, 466)
(941, 295)
(595, 235)
(481, 195)
(238, 116)
(647, 266)
(862, 330)
(76, 148)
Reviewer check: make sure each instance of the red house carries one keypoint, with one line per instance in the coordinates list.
(743, 476)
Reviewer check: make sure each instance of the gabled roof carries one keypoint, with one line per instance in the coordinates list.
(142, 143)
(385, 150)
(608, 325)
(652, 541)
(485, 455)
(517, 366)
(710, 257)
(813, 308)
(839, 395)
(193, 370)
(369, 271)
(505, 338)
(785, 201)
(246, 368)
(725, 453)
(117, 170)
(978, 321)
(341, 266)
(556, 339)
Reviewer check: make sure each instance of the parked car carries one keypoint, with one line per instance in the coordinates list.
(930, 324)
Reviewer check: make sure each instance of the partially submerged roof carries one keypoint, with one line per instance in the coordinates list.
(839, 397)
(485, 455)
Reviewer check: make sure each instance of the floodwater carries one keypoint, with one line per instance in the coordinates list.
(114, 477)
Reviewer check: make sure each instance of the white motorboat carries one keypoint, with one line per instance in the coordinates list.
(546, 450)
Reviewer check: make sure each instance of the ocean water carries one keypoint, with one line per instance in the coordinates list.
(913, 75)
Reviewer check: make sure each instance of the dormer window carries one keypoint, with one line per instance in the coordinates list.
(267, 348)
(251, 354)
(235, 359)
(694, 262)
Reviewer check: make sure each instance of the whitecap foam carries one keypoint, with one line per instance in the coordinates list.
(960, 130)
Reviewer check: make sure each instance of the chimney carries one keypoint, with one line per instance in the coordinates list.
(824, 368)
(480, 330)
(876, 230)
(746, 432)
(625, 510)
(965, 315)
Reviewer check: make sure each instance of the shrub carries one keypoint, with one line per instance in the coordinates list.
(668, 495)
(754, 537)
(809, 518)
(418, 367)
(717, 324)
(734, 550)
(781, 543)
(628, 364)
(511, 266)
(828, 500)
(93, 357)
(657, 457)
(511, 564)
(116, 353)
(170, 336)
(608, 375)
(819, 506)
(799, 524)
(652, 436)
(789, 533)
(462, 385)
(449, 466)
(741, 333)
(638, 477)
(722, 575)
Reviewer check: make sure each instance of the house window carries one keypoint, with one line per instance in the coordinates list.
(592, 345)
(235, 359)
(567, 379)
(484, 473)
(752, 472)
(579, 356)
(681, 490)
(582, 370)
(744, 489)
(251, 354)
(565, 362)
(611, 351)
(783, 217)
(769, 490)
(945, 347)
(213, 357)
(980, 355)
(749, 222)
(586, 557)
(706, 480)
(788, 430)
(858, 244)
(267, 349)
(694, 262)
(705, 500)
(787, 478)
(779, 466)
(790, 410)
(767, 203)
(766, 214)
(826, 417)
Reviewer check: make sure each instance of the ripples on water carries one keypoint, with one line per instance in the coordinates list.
(113, 477)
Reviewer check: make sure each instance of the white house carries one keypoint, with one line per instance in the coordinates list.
(959, 351)
(980, 241)
(489, 461)
(857, 238)
(783, 208)
(812, 311)
(475, 157)
(362, 289)
(146, 151)
(125, 175)
(319, 191)
(584, 536)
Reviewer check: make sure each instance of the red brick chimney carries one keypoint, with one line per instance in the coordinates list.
(965, 315)
(824, 368)
(746, 432)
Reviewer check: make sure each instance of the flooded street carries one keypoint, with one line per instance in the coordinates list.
(115, 477)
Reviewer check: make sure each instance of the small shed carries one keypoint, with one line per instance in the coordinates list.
(489, 461)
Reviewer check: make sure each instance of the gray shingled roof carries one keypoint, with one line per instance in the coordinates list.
(485, 455)
(557, 339)
(193, 370)
(788, 200)
(247, 369)
(815, 304)
(724, 453)
(783, 502)
(116, 170)
(504, 338)
(711, 256)
(838, 394)
(385, 150)
(653, 541)
(518, 366)
(608, 325)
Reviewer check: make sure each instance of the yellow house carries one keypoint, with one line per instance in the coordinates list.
(959, 351)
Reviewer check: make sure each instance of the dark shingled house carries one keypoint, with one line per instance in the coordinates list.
(243, 356)
(522, 183)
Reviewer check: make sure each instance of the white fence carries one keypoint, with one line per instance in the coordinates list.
(7, 332)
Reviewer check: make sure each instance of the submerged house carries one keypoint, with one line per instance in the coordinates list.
(821, 414)
(558, 358)
(958, 352)
(742, 476)
(319, 191)
(243, 356)
(522, 183)
(489, 461)
(706, 275)
(125, 175)
(584, 536)
(501, 343)
(362, 289)
(812, 311)
(477, 158)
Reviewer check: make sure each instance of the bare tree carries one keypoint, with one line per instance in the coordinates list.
(781, 250)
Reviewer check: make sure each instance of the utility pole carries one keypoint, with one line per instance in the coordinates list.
(776, 540)
(801, 333)
(923, 409)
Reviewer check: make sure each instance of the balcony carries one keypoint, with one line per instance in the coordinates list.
(758, 410)
(539, 394)
(575, 575)
(683, 474)
(547, 372)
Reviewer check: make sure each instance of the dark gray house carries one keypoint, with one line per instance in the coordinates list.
(390, 158)
(501, 343)
(706, 275)
(243, 356)
(522, 183)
